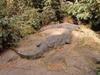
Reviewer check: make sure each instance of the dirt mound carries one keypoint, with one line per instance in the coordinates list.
(80, 56)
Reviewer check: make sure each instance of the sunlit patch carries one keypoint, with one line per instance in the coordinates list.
(56, 66)
(55, 31)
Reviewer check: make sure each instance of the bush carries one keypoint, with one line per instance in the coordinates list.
(9, 34)
(32, 17)
(48, 15)
(87, 10)
(98, 71)
(2, 8)
(14, 7)
(14, 28)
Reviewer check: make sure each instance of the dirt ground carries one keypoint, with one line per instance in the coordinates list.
(61, 61)
(77, 58)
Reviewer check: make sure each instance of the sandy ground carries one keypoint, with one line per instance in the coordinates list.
(68, 59)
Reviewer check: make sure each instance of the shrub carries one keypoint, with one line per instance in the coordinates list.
(48, 15)
(32, 17)
(87, 10)
(14, 7)
(14, 28)
(2, 8)
(9, 34)
(98, 71)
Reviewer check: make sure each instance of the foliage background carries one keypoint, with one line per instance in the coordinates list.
(19, 18)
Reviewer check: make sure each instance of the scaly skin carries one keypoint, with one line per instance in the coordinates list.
(50, 42)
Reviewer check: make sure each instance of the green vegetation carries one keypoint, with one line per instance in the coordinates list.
(19, 18)
(98, 71)
(86, 11)
(16, 27)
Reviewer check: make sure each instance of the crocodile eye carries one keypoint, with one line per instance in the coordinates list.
(38, 45)
(97, 62)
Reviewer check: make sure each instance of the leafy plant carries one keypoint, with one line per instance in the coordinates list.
(98, 71)
(87, 10)
(9, 34)
(32, 17)
(14, 28)
(48, 15)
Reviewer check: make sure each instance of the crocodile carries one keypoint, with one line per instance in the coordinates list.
(51, 41)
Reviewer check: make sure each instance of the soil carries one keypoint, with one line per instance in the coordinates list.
(67, 59)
